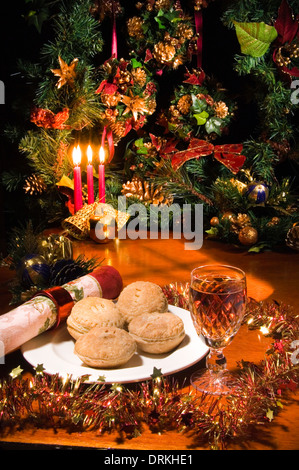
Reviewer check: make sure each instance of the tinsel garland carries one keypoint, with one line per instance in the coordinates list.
(161, 403)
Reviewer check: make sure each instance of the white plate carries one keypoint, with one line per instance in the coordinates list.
(55, 351)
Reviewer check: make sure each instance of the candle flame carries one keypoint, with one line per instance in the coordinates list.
(89, 154)
(102, 155)
(77, 155)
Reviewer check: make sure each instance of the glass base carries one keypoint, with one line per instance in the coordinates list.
(221, 383)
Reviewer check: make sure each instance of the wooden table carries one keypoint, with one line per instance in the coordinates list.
(270, 276)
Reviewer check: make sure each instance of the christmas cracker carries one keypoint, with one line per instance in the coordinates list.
(40, 313)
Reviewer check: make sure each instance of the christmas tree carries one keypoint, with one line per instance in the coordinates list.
(197, 103)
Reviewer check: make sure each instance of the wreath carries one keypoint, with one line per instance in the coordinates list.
(127, 95)
(161, 34)
(198, 109)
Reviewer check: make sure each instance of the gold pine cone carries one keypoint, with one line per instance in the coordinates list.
(139, 76)
(184, 104)
(110, 100)
(221, 109)
(184, 32)
(145, 192)
(118, 128)
(34, 185)
(162, 4)
(135, 27)
(164, 52)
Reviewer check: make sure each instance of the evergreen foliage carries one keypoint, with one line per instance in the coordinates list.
(189, 105)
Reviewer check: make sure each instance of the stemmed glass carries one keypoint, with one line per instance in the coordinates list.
(217, 303)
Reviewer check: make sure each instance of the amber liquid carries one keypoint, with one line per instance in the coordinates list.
(217, 305)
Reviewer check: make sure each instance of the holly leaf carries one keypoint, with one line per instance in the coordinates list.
(135, 63)
(66, 182)
(255, 38)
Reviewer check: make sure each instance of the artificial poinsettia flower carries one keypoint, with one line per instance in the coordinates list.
(287, 27)
(67, 73)
(197, 77)
(107, 88)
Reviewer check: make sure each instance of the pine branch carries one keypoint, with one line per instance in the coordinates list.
(178, 184)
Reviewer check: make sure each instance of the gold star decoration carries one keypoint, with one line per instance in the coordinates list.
(135, 104)
(67, 73)
(16, 372)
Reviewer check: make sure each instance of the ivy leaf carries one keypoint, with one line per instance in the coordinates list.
(255, 38)
(135, 63)
(213, 125)
(159, 19)
(198, 105)
(201, 118)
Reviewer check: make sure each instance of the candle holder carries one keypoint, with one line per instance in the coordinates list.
(106, 225)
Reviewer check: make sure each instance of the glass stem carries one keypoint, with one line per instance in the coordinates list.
(216, 361)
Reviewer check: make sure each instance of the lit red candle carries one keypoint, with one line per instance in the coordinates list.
(90, 190)
(102, 175)
(77, 179)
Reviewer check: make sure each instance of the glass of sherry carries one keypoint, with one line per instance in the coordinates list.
(218, 296)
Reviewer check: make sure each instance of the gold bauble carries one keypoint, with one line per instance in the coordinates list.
(228, 216)
(248, 236)
(214, 221)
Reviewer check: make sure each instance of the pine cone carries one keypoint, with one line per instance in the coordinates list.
(292, 240)
(184, 32)
(239, 222)
(34, 185)
(64, 271)
(145, 192)
(135, 27)
(162, 4)
(110, 100)
(164, 52)
(221, 109)
(119, 128)
(139, 76)
(184, 104)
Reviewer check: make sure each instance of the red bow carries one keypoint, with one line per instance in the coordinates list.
(228, 154)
